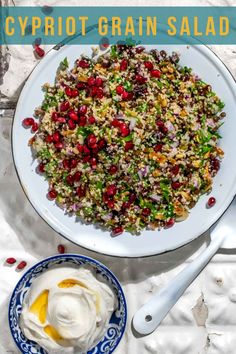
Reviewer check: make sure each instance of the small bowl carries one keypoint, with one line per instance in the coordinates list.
(117, 322)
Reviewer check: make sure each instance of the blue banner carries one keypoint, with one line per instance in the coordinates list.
(91, 25)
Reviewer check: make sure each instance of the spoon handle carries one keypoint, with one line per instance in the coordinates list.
(149, 316)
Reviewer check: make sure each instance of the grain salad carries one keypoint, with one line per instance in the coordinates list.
(128, 141)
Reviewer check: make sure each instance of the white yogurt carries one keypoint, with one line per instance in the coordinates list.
(67, 310)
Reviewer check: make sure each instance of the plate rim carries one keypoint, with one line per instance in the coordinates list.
(53, 51)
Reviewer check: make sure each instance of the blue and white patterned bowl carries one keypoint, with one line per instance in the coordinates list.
(117, 322)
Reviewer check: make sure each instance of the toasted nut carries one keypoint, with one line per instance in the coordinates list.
(82, 78)
(196, 163)
(160, 216)
(156, 173)
(164, 103)
(183, 113)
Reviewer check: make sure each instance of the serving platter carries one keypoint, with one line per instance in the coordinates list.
(210, 69)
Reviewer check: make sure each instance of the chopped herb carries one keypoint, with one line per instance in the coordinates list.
(64, 64)
(84, 131)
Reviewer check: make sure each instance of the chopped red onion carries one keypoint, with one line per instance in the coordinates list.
(170, 126)
(155, 197)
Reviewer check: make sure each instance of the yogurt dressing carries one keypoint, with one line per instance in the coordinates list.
(67, 310)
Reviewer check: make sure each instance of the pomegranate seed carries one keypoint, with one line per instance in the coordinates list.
(71, 124)
(86, 158)
(91, 81)
(41, 168)
(39, 51)
(132, 197)
(49, 138)
(54, 116)
(80, 147)
(140, 49)
(146, 211)
(124, 129)
(125, 205)
(52, 194)
(125, 95)
(83, 64)
(176, 185)
(169, 223)
(98, 82)
(158, 147)
(113, 169)
(129, 145)
(68, 91)
(11, 260)
(115, 123)
(93, 162)
(21, 265)
(56, 137)
(70, 179)
(211, 202)
(123, 65)
(81, 86)
(119, 90)
(111, 190)
(86, 150)
(94, 147)
(73, 116)
(61, 120)
(80, 191)
(215, 165)
(73, 163)
(160, 124)
(82, 110)
(35, 127)
(91, 120)
(100, 93)
(148, 65)
(156, 74)
(140, 79)
(101, 144)
(77, 176)
(28, 122)
(175, 170)
(58, 145)
(162, 127)
(91, 139)
(61, 249)
(164, 130)
(82, 121)
(66, 164)
(93, 91)
(74, 93)
(125, 132)
(64, 106)
(117, 231)
(110, 204)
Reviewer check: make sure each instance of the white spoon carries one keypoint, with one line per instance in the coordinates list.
(223, 235)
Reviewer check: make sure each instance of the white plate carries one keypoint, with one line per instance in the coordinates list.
(211, 70)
